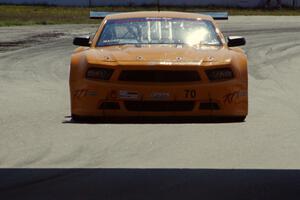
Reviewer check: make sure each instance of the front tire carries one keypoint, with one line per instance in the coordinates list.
(240, 119)
(78, 118)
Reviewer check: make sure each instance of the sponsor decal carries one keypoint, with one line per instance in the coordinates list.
(91, 93)
(233, 97)
(84, 93)
(160, 95)
(190, 93)
(123, 94)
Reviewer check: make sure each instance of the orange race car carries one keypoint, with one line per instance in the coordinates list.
(145, 64)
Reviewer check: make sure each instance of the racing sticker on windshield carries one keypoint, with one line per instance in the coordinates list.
(120, 21)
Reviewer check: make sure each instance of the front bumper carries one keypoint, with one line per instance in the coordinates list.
(228, 98)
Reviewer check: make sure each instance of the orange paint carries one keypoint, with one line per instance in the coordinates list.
(166, 63)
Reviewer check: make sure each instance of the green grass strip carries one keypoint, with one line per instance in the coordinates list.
(12, 15)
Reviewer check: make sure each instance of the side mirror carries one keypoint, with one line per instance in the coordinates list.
(82, 41)
(234, 41)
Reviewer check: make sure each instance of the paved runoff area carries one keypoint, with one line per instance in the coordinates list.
(36, 130)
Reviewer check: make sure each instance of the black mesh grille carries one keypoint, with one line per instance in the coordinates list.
(110, 106)
(159, 76)
(209, 106)
(159, 106)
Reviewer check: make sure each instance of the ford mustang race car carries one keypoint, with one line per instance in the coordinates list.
(146, 64)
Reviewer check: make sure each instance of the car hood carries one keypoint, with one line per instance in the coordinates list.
(161, 54)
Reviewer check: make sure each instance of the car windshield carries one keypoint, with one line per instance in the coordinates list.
(158, 31)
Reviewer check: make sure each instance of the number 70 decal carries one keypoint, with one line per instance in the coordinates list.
(190, 93)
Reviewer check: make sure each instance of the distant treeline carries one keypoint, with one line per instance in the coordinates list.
(186, 3)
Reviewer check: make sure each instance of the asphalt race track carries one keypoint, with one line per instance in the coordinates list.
(36, 130)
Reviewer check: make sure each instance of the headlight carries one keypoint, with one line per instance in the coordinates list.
(220, 74)
(99, 73)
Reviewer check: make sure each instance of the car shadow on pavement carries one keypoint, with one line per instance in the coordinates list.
(137, 184)
(152, 120)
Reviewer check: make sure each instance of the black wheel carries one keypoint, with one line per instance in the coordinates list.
(86, 119)
(239, 118)
(77, 118)
(229, 119)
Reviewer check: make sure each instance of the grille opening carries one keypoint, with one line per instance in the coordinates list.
(159, 106)
(159, 76)
(110, 106)
(99, 73)
(219, 74)
(209, 106)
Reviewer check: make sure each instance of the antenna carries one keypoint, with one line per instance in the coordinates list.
(158, 6)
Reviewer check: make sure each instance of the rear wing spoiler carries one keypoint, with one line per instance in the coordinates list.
(214, 15)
